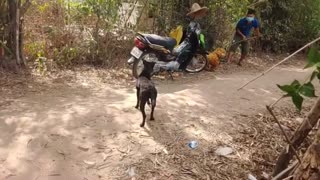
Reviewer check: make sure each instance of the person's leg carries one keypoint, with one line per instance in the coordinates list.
(182, 51)
(244, 52)
(184, 59)
(230, 55)
(234, 46)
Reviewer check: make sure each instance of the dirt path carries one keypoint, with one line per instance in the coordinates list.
(88, 133)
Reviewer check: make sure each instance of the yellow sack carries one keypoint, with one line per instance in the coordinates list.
(177, 34)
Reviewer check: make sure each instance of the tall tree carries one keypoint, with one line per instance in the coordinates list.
(12, 35)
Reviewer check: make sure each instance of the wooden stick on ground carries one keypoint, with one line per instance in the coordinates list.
(284, 133)
(238, 42)
(285, 59)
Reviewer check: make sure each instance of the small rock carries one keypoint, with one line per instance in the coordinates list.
(251, 177)
(82, 148)
(299, 120)
(131, 172)
(276, 126)
(89, 163)
(265, 175)
(165, 151)
(104, 156)
(224, 151)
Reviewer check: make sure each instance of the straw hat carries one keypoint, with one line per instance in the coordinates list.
(197, 10)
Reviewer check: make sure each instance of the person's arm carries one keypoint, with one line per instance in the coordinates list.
(256, 28)
(238, 30)
(241, 34)
(257, 32)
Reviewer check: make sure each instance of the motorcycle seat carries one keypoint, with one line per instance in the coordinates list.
(167, 42)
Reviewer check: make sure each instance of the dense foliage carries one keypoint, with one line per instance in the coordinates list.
(289, 24)
(100, 31)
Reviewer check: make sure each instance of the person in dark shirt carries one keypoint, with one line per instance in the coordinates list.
(243, 31)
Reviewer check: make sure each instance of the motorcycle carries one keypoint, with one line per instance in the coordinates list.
(160, 51)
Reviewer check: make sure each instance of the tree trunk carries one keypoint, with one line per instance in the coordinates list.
(298, 137)
(21, 41)
(16, 28)
(310, 167)
(14, 34)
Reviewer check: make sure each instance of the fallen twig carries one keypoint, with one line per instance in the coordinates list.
(287, 178)
(285, 59)
(284, 133)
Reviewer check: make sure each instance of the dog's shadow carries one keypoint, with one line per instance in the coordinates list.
(163, 130)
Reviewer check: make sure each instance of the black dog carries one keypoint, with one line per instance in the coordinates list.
(146, 91)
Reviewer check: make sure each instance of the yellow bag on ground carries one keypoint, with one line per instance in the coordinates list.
(177, 34)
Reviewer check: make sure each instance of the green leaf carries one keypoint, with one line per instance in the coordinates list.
(307, 90)
(318, 68)
(296, 84)
(297, 100)
(286, 88)
(292, 88)
(313, 58)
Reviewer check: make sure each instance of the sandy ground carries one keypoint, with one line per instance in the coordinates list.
(87, 131)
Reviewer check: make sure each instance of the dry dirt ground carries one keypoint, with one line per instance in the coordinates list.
(85, 130)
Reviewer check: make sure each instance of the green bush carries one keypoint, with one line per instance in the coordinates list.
(289, 24)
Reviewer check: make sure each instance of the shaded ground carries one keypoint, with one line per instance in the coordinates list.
(85, 130)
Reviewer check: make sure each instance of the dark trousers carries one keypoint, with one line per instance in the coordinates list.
(184, 59)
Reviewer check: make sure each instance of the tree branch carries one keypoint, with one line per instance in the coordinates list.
(281, 174)
(285, 59)
(284, 133)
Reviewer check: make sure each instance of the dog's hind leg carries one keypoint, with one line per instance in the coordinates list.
(138, 97)
(153, 105)
(142, 106)
(171, 76)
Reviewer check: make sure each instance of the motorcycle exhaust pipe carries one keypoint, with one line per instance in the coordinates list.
(131, 60)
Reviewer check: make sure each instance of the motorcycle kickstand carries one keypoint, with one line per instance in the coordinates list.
(171, 76)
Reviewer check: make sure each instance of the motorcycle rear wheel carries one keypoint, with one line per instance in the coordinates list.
(137, 67)
(138, 64)
(198, 63)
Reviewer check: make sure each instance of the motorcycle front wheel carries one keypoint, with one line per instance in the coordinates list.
(197, 64)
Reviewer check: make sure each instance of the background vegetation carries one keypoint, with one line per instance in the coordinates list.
(62, 33)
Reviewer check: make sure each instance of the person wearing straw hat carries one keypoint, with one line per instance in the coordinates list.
(189, 45)
(242, 35)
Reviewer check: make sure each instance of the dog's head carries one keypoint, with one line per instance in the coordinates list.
(147, 69)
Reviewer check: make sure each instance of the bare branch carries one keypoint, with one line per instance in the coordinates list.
(276, 102)
(284, 133)
(285, 59)
(279, 176)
